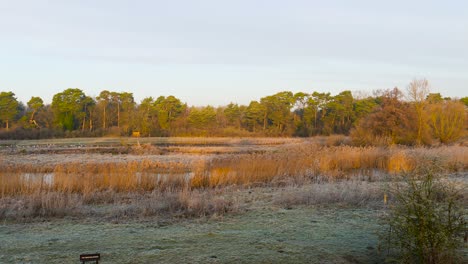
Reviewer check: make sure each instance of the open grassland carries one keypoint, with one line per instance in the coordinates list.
(197, 200)
(300, 235)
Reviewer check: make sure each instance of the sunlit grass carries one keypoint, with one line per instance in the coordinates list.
(296, 163)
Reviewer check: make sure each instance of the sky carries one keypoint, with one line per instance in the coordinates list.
(216, 52)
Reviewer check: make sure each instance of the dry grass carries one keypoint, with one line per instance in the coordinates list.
(113, 205)
(354, 193)
(296, 164)
(180, 204)
(126, 141)
(170, 187)
(91, 177)
(45, 204)
(308, 162)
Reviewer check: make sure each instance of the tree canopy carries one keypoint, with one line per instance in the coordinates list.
(69, 107)
(387, 117)
(8, 108)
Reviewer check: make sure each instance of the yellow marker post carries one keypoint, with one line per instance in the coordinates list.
(137, 135)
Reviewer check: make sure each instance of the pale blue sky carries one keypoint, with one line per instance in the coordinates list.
(214, 52)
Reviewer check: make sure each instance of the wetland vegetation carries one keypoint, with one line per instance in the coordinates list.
(290, 199)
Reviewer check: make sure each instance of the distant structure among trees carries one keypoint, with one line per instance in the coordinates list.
(387, 117)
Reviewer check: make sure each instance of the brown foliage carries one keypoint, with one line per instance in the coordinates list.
(392, 123)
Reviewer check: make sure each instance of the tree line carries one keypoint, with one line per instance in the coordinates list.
(385, 117)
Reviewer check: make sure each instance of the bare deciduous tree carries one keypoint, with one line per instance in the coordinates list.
(417, 93)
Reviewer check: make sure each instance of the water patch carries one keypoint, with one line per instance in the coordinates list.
(43, 178)
(48, 178)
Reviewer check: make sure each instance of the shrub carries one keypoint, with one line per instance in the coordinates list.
(426, 219)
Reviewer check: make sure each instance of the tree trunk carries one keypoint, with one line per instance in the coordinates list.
(35, 123)
(118, 115)
(315, 119)
(31, 119)
(7, 125)
(420, 125)
(104, 119)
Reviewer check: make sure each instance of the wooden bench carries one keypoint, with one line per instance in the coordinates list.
(90, 257)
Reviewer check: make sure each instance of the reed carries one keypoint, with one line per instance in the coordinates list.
(311, 162)
(144, 176)
(290, 164)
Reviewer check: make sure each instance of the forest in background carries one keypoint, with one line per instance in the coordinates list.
(413, 117)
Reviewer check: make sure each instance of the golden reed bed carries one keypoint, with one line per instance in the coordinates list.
(289, 164)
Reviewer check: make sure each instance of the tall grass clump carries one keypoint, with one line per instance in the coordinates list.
(426, 220)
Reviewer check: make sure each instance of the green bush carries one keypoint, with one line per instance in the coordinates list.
(426, 219)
